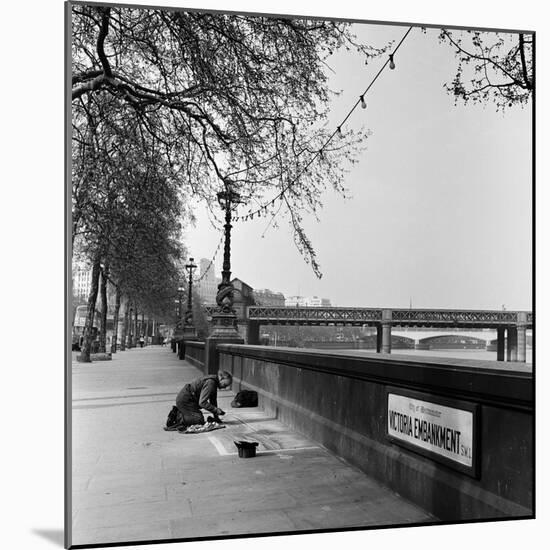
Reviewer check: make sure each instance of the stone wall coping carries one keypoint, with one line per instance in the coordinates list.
(194, 344)
(493, 382)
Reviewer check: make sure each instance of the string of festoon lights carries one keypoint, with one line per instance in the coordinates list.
(319, 154)
(210, 264)
(361, 101)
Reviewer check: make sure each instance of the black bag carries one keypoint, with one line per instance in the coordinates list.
(245, 398)
(174, 418)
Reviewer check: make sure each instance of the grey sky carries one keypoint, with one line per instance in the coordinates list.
(441, 207)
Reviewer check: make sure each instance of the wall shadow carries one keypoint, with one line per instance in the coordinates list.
(56, 536)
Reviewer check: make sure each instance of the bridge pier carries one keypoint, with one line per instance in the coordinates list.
(386, 330)
(521, 337)
(378, 338)
(500, 343)
(386, 338)
(521, 341)
(512, 344)
(253, 333)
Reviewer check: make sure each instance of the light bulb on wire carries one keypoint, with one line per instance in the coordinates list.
(392, 64)
(363, 104)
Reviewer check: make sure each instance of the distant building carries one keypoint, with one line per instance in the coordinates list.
(307, 301)
(207, 288)
(82, 280)
(243, 296)
(315, 301)
(293, 301)
(266, 297)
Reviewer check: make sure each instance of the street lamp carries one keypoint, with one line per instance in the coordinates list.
(181, 292)
(224, 321)
(188, 326)
(178, 331)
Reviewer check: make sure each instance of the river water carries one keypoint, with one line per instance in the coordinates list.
(457, 353)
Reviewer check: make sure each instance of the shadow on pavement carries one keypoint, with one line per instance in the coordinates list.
(53, 535)
(235, 420)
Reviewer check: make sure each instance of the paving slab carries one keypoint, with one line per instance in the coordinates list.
(148, 530)
(132, 481)
(265, 521)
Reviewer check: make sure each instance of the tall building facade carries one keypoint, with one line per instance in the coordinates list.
(82, 280)
(207, 288)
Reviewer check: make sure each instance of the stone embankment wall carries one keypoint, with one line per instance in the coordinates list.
(194, 354)
(341, 402)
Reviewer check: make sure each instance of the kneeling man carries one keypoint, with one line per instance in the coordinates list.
(198, 394)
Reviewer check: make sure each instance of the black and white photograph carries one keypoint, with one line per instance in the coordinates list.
(300, 274)
(274, 274)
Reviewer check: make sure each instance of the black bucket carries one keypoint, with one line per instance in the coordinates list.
(247, 449)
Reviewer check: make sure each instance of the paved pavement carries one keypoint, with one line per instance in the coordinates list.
(133, 481)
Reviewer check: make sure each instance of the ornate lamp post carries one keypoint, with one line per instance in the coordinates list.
(189, 332)
(178, 331)
(181, 293)
(188, 321)
(224, 321)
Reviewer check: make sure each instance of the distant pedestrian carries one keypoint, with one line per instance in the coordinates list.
(165, 341)
(141, 341)
(198, 394)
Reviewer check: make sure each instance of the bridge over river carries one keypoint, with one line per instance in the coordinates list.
(510, 326)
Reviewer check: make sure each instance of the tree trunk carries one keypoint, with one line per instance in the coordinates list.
(124, 327)
(134, 343)
(92, 298)
(103, 297)
(115, 320)
(130, 325)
